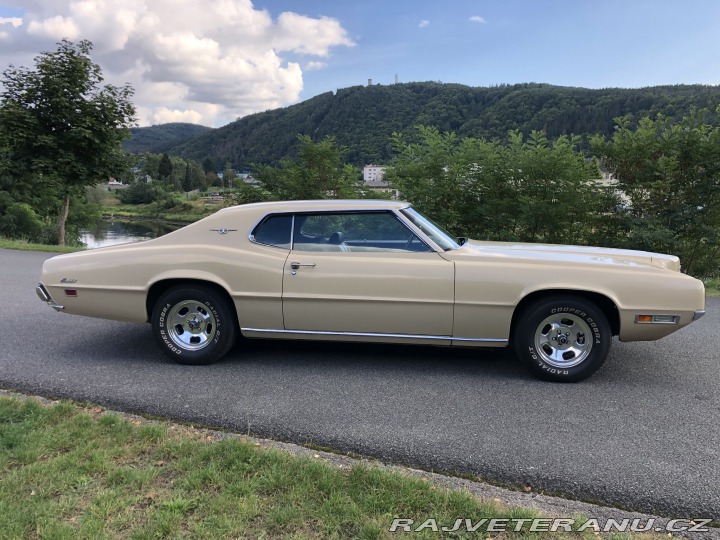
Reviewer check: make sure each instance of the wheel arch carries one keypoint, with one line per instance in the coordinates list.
(603, 302)
(160, 287)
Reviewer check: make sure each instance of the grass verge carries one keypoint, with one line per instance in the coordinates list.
(69, 472)
(21, 245)
(712, 287)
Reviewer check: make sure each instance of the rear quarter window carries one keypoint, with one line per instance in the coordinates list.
(274, 231)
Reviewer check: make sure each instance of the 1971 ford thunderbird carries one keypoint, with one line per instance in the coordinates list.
(374, 271)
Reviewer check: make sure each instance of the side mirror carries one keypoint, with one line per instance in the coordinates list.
(462, 239)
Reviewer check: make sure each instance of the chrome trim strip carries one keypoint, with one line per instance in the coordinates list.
(480, 340)
(372, 334)
(292, 232)
(698, 314)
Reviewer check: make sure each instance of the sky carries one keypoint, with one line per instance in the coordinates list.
(210, 62)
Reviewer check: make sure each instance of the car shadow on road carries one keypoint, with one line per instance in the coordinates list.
(495, 362)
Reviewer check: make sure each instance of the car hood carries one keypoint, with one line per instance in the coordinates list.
(557, 252)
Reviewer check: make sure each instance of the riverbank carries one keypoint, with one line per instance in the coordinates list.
(147, 219)
(183, 214)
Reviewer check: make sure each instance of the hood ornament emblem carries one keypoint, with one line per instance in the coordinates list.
(223, 230)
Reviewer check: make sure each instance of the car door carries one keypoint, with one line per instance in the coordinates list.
(365, 272)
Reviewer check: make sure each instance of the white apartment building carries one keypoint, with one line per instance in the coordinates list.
(373, 173)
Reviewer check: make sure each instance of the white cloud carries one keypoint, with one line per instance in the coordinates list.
(478, 19)
(310, 66)
(15, 21)
(205, 62)
(57, 28)
(424, 23)
(165, 116)
(310, 36)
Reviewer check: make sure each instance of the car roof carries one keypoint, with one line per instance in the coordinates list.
(325, 205)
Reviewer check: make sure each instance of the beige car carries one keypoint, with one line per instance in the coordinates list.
(374, 271)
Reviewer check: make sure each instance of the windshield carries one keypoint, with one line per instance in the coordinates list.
(436, 233)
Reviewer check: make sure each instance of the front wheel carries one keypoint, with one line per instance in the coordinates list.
(563, 339)
(194, 324)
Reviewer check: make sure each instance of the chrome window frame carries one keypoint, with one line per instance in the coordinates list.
(417, 231)
(422, 234)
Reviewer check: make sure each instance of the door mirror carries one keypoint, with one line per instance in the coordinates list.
(462, 240)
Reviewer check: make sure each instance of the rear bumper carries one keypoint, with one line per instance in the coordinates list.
(44, 295)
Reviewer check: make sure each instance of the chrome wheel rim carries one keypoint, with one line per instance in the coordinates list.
(563, 340)
(191, 325)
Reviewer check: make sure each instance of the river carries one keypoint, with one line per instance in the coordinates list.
(107, 232)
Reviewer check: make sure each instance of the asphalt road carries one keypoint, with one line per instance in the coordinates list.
(642, 434)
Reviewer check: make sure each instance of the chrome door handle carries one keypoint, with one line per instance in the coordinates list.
(296, 265)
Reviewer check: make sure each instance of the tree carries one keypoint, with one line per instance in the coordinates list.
(187, 183)
(669, 174)
(197, 176)
(212, 179)
(165, 167)
(229, 175)
(61, 129)
(317, 173)
(208, 166)
(526, 190)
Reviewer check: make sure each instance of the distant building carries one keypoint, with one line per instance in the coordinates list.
(373, 178)
(112, 185)
(373, 173)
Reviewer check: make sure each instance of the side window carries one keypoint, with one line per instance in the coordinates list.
(354, 232)
(274, 231)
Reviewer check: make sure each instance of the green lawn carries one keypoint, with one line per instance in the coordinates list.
(6, 243)
(712, 287)
(72, 472)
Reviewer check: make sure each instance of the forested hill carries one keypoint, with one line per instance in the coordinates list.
(160, 138)
(362, 118)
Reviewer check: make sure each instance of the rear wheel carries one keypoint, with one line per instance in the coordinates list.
(564, 339)
(194, 324)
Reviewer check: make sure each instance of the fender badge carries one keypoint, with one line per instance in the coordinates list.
(223, 230)
(68, 280)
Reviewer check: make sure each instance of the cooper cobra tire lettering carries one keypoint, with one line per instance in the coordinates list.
(195, 324)
(564, 338)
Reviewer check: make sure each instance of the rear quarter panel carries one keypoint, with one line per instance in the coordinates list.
(113, 282)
